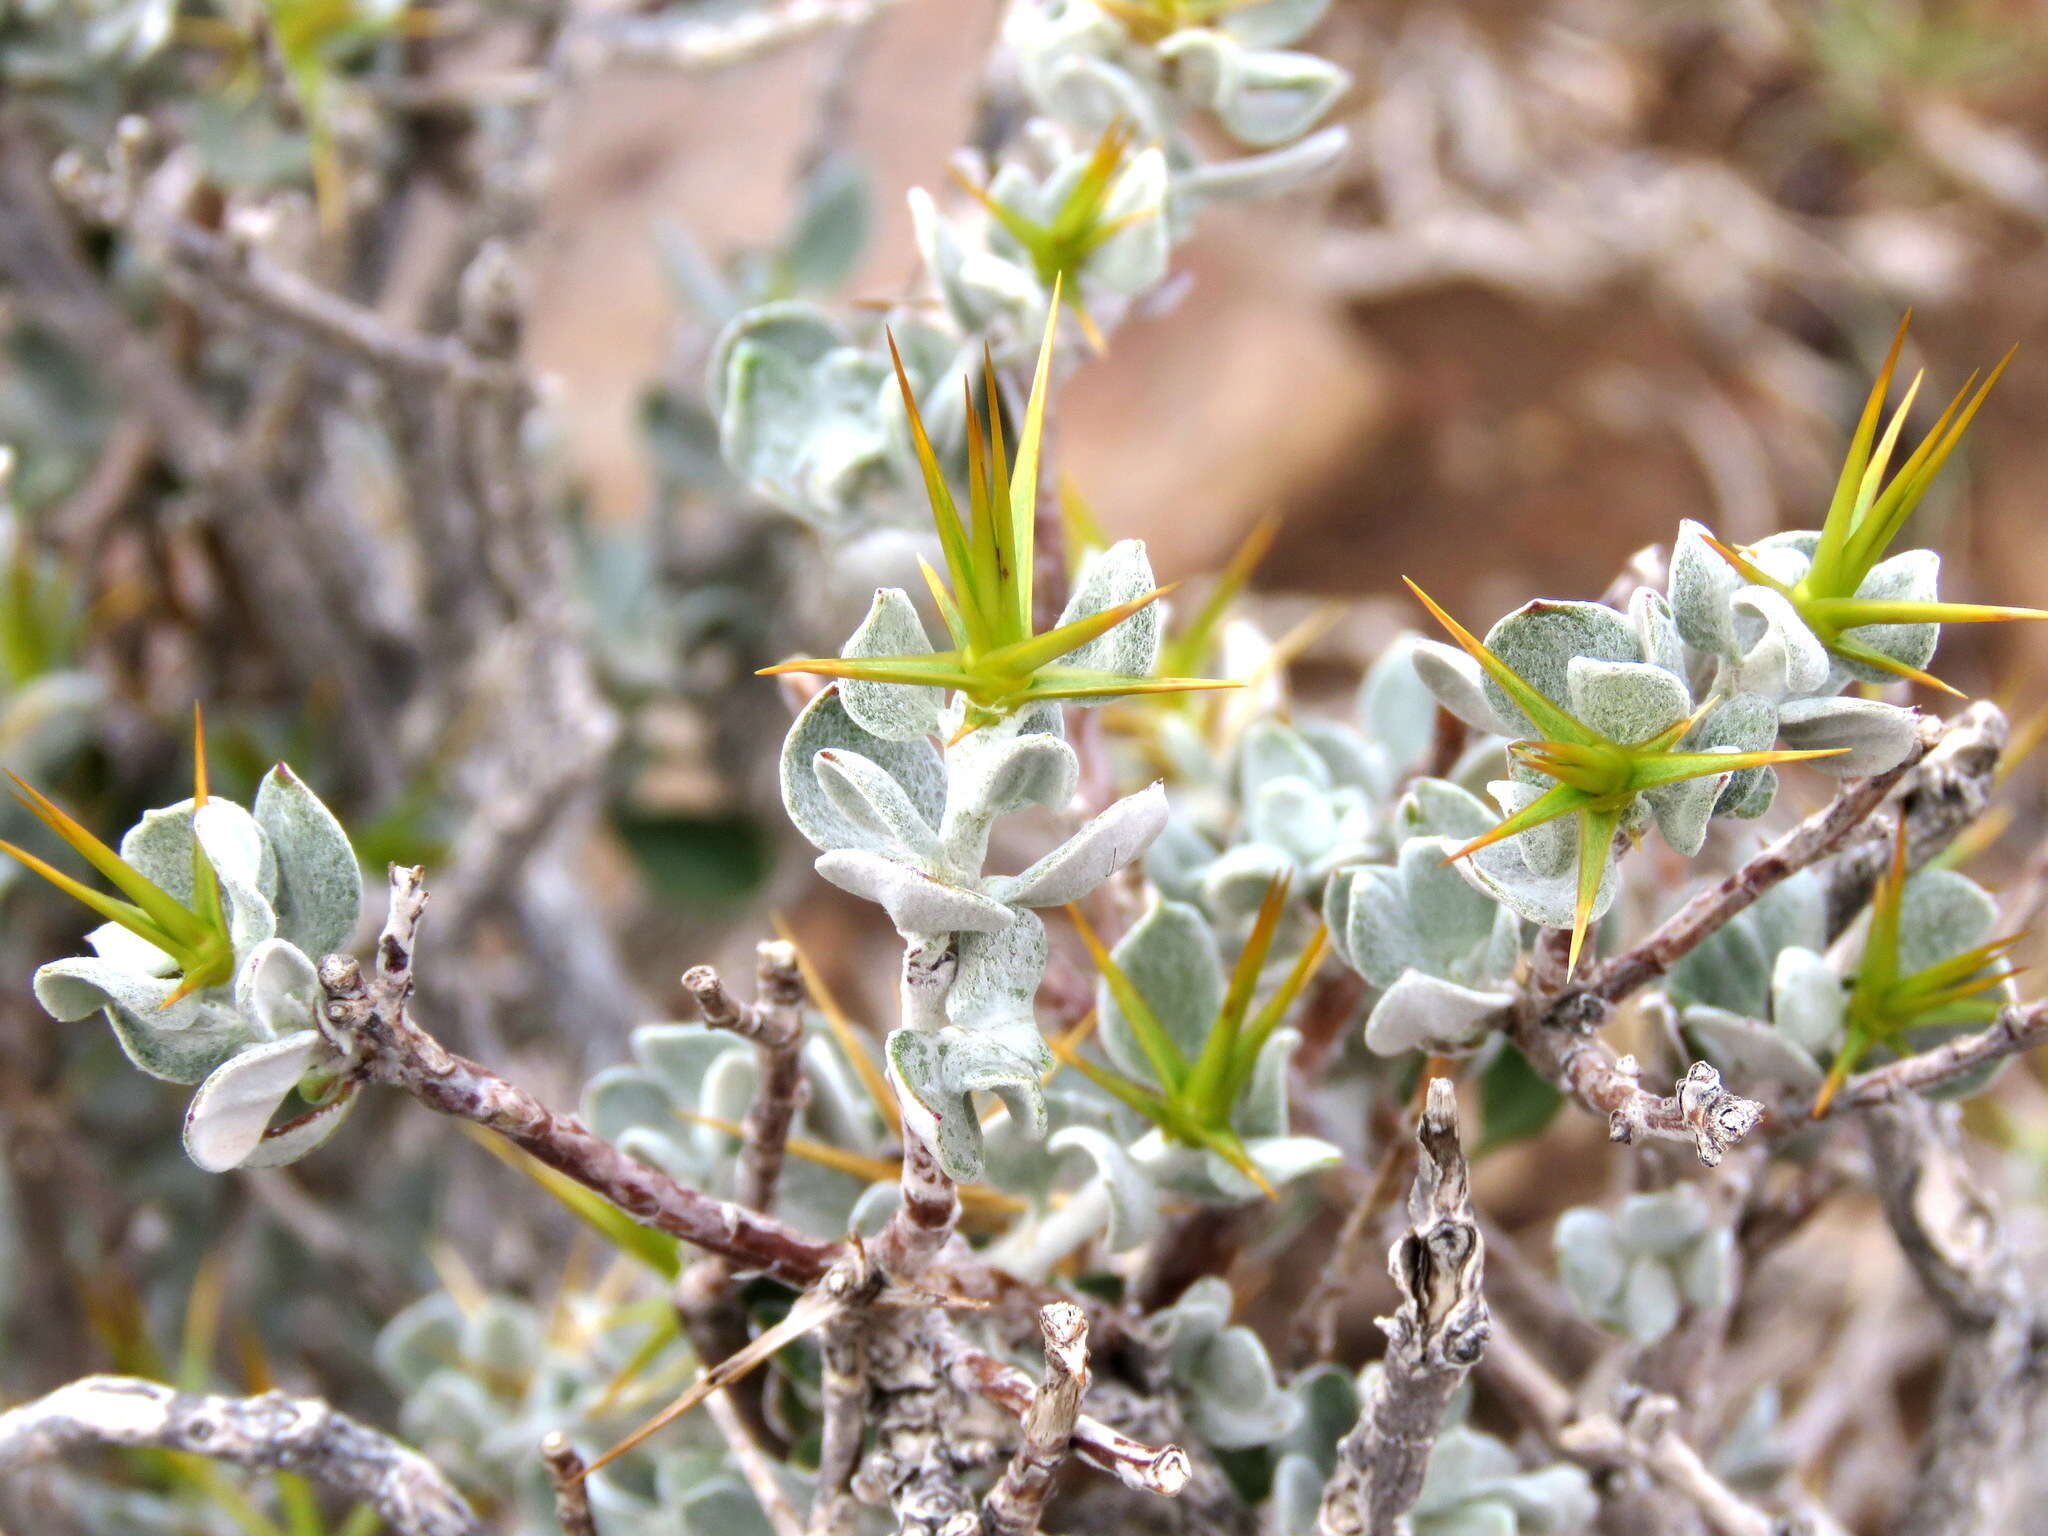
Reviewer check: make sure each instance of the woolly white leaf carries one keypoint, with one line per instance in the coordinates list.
(1808, 1004)
(319, 882)
(228, 1115)
(1133, 1197)
(1105, 845)
(1879, 736)
(1119, 574)
(892, 711)
(1427, 1013)
(916, 902)
(1459, 685)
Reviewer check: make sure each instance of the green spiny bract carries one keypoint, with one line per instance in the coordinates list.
(207, 973)
(1194, 1053)
(999, 663)
(1632, 760)
(1901, 985)
(1837, 605)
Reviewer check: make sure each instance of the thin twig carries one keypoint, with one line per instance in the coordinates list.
(1017, 1501)
(746, 1453)
(274, 1432)
(368, 1020)
(2016, 1029)
(1433, 1338)
(572, 1494)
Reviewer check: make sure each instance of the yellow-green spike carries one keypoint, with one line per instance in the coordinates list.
(1168, 1064)
(1558, 800)
(1547, 716)
(1596, 836)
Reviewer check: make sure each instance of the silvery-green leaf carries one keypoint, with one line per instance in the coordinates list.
(1295, 816)
(1706, 1271)
(418, 1342)
(1395, 707)
(618, 1098)
(1879, 736)
(1450, 917)
(1009, 771)
(319, 882)
(892, 711)
(1297, 1494)
(1272, 751)
(1942, 913)
(1549, 849)
(130, 951)
(1479, 1517)
(802, 332)
(677, 1056)
(1703, 587)
(1625, 701)
(1272, 23)
(1170, 956)
(503, 1335)
(1119, 574)
(825, 241)
(1248, 177)
(160, 848)
(236, 848)
(995, 980)
(1231, 1394)
(1283, 1159)
(1649, 613)
(1262, 96)
(874, 801)
(1539, 641)
(1236, 883)
(1177, 860)
(1780, 656)
(825, 726)
(1354, 764)
(1367, 909)
(180, 1043)
(938, 1072)
(1682, 810)
(1420, 1012)
(277, 989)
(1745, 722)
(226, 1120)
(1133, 1197)
(1135, 258)
(1550, 901)
(728, 1094)
(1458, 684)
(1750, 1054)
(1463, 1464)
(1663, 1223)
(1439, 808)
(1551, 1501)
(1261, 1110)
(1911, 576)
(1649, 1301)
(1808, 1004)
(916, 902)
(838, 1110)
(1591, 1262)
(1105, 845)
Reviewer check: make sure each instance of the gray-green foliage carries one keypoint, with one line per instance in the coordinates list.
(481, 1380)
(1220, 1371)
(906, 825)
(1636, 1270)
(806, 412)
(1441, 953)
(1174, 959)
(688, 1086)
(292, 892)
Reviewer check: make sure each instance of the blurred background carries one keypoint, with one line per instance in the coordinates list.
(1589, 267)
